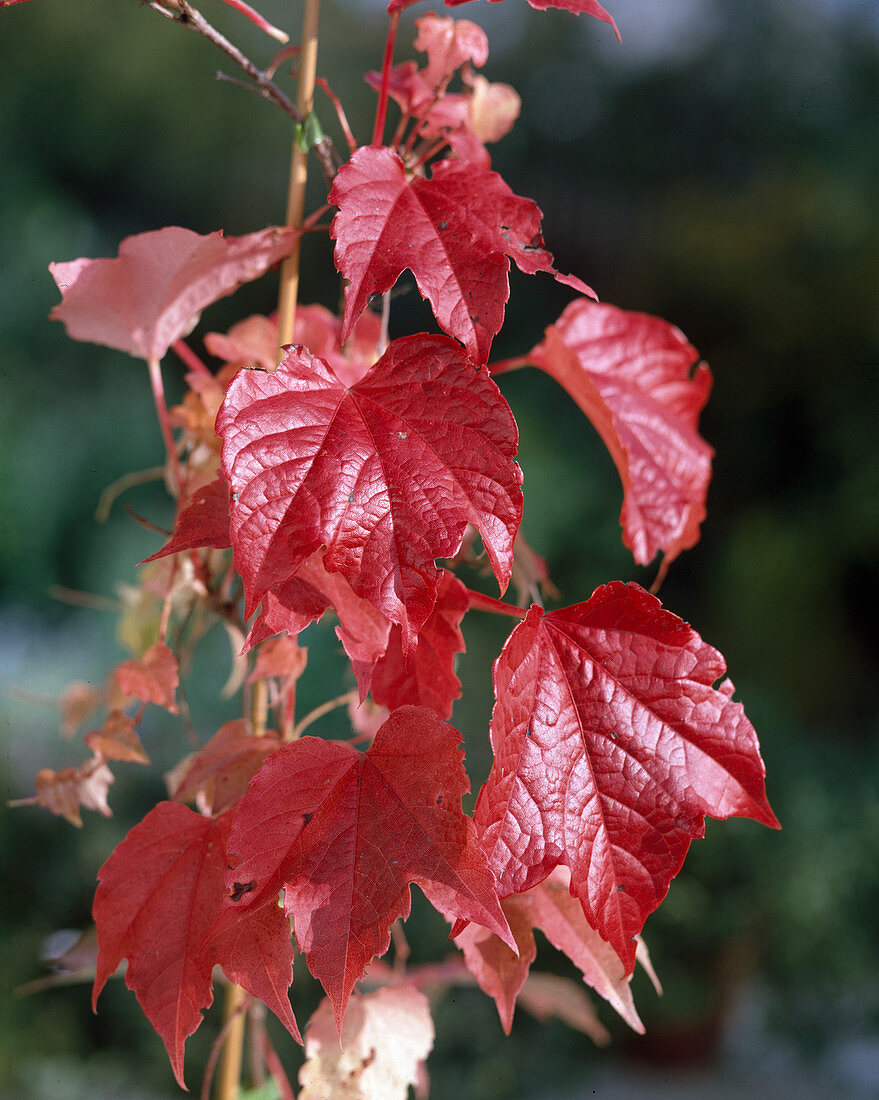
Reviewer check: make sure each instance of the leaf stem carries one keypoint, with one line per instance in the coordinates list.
(501, 366)
(298, 175)
(382, 106)
(319, 712)
(158, 389)
(479, 602)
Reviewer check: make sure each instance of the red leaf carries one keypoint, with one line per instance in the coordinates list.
(509, 222)
(159, 894)
(387, 223)
(385, 474)
(633, 376)
(202, 522)
(610, 746)
(429, 679)
(153, 678)
(344, 833)
(153, 292)
(221, 770)
(64, 791)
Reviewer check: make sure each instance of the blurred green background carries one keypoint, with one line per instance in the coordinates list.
(718, 168)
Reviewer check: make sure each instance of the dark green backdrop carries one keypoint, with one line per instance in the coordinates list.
(719, 168)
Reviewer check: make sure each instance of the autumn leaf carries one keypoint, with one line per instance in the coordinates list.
(64, 791)
(158, 896)
(428, 679)
(344, 833)
(387, 223)
(153, 292)
(153, 678)
(641, 384)
(386, 1037)
(385, 474)
(610, 747)
(117, 740)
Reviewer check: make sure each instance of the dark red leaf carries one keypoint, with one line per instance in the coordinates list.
(611, 745)
(428, 679)
(385, 474)
(345, 833)
(153, 292)
(636, 377)
(159, 894)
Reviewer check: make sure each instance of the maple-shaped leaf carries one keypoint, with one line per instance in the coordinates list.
(117, 740)
(345, 833)
(386, 1037)
(610, 746)
(153, 678)
(362, 630)
(202, 522)
(385, 474)
(158, 896)
(387, 223)
(550, 907)
(640, 382)
(218, 774)
(153, 292)
(428, 679)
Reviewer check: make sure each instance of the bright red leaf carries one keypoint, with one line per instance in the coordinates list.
(641, 384)
(453, 231)
(385, 474)
(345, 833)
(428, 679)
(159, 894)
(153, 292)
(610, 747)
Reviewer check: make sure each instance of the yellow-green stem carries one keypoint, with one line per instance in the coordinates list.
(228, 1085)
(298, 175)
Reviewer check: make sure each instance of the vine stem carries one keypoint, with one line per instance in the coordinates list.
(479, 602)
(298, 175)
(158, 389)
(382, 107)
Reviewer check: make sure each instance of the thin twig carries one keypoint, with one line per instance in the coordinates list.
(187, 16)
(320, 711)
